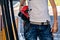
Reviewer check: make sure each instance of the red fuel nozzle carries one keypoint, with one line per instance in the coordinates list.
(24, 11)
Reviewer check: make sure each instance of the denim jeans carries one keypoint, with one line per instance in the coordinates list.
(41, 31)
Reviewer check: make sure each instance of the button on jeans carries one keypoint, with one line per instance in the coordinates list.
(41, 31)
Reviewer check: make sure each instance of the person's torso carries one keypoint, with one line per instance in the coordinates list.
(38, 10)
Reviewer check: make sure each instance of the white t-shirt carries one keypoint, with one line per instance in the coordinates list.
(38, 10)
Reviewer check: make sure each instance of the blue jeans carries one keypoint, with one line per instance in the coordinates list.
(41, 31)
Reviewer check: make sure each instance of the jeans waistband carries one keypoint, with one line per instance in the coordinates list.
(40, 23)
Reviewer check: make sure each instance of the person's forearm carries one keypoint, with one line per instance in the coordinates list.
(22, 3)
(54, 10)
(55, 13)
